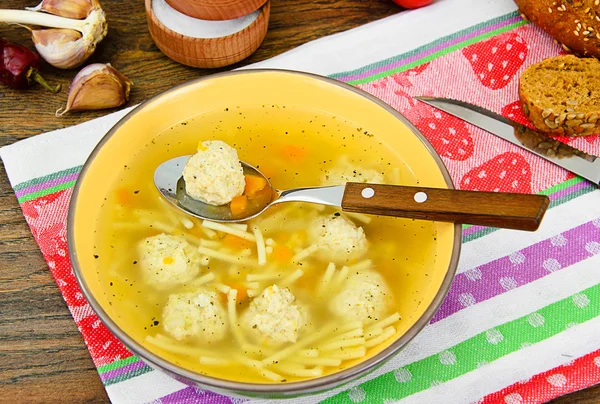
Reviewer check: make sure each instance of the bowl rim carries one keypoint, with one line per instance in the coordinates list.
(319, 384)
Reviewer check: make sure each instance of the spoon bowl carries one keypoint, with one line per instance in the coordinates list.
(170, 183)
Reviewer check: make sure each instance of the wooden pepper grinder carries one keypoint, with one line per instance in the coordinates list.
(208, 33)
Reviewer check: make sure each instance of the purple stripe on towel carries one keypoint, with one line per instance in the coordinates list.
(521, 267)
(569, 190)
(192, 395)
(120, 371)
(47, 184)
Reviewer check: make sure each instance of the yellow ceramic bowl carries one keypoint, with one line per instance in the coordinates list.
(247, 88)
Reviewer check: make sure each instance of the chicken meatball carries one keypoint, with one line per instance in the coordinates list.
(197, 315)
(273, 317)
(214, 174)
(365, 297)
(167, 260)
(338, 238)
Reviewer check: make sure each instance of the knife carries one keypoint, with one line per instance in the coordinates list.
(565, 156)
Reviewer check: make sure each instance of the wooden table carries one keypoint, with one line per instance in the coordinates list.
(42, 355)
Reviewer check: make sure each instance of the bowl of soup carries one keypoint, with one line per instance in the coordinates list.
(298, 300)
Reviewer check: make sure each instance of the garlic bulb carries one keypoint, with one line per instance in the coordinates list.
(78, 9)
(61, 49)
(97, 86)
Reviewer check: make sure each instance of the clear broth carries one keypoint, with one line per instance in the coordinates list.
(294, 148)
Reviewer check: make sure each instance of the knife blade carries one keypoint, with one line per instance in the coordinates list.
(565, 156)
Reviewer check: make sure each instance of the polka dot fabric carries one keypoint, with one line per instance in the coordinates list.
(579, 374)
(47, 217)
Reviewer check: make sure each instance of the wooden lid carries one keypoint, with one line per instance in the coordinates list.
(216, 9)
(209, 52)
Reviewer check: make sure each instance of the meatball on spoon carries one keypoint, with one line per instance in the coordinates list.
(493, 209)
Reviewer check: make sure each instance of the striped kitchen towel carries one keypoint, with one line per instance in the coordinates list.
(522, 318)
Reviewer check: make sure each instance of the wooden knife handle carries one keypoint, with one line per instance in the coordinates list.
(492, 209)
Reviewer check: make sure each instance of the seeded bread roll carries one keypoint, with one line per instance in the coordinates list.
(573, 23)
(561, 95)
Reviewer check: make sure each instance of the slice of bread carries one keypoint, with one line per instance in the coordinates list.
(573, 23)
(561, 95)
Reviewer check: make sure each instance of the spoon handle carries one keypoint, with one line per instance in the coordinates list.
(493, 209)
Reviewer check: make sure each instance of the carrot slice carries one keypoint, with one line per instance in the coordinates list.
(236, 242)
(282, 253)
(254, 184)
(294, 153)
(242, 292)
(238, 205)
(124, 196)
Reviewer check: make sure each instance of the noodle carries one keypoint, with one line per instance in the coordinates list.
(349, 353)
(202, 280)
(233, 322)
(342, 344)
(300, 371)
(298, 345)
(293, 277)
(327, 276)
(340, 278)
(209, 233)
(225, 257)
(385, 322)
(260, 246)
(187, 223)
(305, 253)
(360, 266)
(387, 334)
(238, 226)
(315, 361)
(210, 243)
(230, 230)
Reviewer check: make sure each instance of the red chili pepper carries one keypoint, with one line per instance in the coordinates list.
(19, 67)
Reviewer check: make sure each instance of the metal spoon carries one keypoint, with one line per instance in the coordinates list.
(494, 209)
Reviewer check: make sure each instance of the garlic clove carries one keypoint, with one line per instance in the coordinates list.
(97, 86)
(62, 48)
(78, 9)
